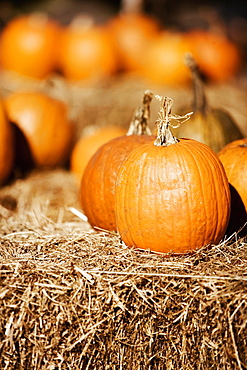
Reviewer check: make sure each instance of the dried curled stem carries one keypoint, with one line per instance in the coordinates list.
(164, 134)
(140, 121)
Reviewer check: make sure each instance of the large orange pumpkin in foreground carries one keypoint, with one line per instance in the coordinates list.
(97, 191)
(172, 196)
(6, 146)
(28, 45)
(44, 123)
(234, 159)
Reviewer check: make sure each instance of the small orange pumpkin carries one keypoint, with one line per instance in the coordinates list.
(217, 56)
(234, 159)
(164, 60)
(88, 144)
(132, 33)
(86, 50)
(7, 150)
(97, 190)
(28, 45)
(44, 123)
(172, 196)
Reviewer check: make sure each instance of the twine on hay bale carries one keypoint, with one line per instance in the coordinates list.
(73, 298)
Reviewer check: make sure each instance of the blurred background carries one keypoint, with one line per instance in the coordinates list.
(183, 15)
(227, 17)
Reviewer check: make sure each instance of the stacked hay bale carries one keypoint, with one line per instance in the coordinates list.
(75, 298)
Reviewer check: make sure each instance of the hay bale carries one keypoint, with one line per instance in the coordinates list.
(73, 298)
(113, 101)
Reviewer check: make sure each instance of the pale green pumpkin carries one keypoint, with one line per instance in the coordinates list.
(212, 126)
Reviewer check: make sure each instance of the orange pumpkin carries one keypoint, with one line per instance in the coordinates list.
(164, 60)
(217, 56)
(234, 159)
(97, 190)
(86, 51)
(44, 123)
(88, 144)
(132, 33)
(28, 45)
(172, 196)
(6, 146)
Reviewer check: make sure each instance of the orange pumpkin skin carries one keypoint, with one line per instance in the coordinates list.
(234, 159)
(172, 199)
(44, 124)
(97, 190)
(218, 58)
(6, 146)
(28, 45)
(87, 145)
(132, 34)
(86, 52)
(164, 60)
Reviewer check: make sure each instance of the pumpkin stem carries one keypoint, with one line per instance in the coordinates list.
(200, 101)
(131, 6)
(83, 21)
(164, 134)
(38, 19)
(139, 124)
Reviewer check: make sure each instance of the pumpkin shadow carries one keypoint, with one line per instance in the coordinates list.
(24, 162)
(238, 217)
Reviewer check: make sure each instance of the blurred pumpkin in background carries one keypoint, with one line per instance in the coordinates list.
(89, 143)
(86, 50)
(213, 126)
(132, 34)
(164, 59)
(43, 121)
(28, 45)
(6, 146)
(217, 56)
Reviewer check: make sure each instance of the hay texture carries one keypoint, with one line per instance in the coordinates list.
(73, 298)
(113, 101)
